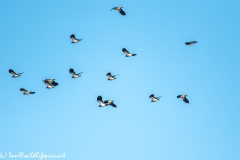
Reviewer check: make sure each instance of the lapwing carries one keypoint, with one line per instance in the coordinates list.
(50, 83)
(119, 9)
(25, 92)
(74, 75)
(190, 43)
(184, 98)
(128, 54)
(74, 39)
(105, 103)
(15, 75)
(154, 99)
(111, 77)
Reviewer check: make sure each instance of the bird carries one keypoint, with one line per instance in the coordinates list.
(50, 83)
(105, 103)
(119, 9)
(128, 54)
(184, 98)
(111, 77)
(15, 75)
(25, 92)
(190, 43)
(74, 75)
(74, 39)
(154, 99)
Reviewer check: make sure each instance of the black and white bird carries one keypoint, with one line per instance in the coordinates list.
(111, 77)
(105, 103)
(184, 98)
(15, 75)
(25, 92)
(74, 75)
(128, 54)
(190, 43)
(119, 9)
(74, 39)
(50, 83)
(154, 99)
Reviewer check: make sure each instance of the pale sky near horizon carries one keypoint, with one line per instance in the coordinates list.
(35, 39)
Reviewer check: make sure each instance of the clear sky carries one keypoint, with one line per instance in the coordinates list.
(35, 40)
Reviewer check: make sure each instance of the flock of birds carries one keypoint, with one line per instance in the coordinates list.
(51, 83)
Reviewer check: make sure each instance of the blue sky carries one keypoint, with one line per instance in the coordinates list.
(35, 40)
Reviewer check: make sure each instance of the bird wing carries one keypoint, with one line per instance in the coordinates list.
(47, 83)
(125, 51)
(110, 102)
(23, 90)
(72, 71)
(12, 72)
(109, 74)
(80, 73)
(99, 98)
(186, 100)
(122, 12)
(73, 37)
(113, 105)
(151, 96)
(54, 83)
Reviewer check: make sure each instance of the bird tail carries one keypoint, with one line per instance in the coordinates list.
(79, 73)
(134, 54)
(21, 73)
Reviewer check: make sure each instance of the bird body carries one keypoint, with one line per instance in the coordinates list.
(190, 43)
(15, 75)
(184, 98)
(74, 75)
(119, 9)
(105, 103)
(128, 54)
(154, 99)
(25, 92)
(110, 76)
(74, 39)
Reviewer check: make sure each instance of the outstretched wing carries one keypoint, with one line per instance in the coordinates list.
(122, 12)
(73, 37)
(109, 74)
(12, 72)
(110, 102)
(186, 100)
(99, 98)
(151, 96)
(54, 83)
(179, 96)
(72, 71)
(23, 90)
(125, 51)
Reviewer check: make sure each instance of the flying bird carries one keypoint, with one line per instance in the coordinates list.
(119, 9)
(154, 99)
(184, 98)
(190, 43)
(128, 54)
(105, 103)
(15, 75)
(74, 75)
(25, 92)
(74, 39)
(50, 83)
(111, 77)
